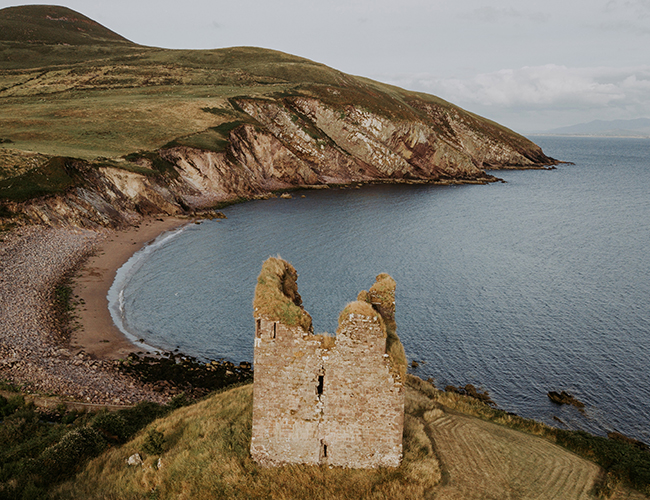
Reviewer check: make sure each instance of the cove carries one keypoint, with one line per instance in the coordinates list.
(538, 284)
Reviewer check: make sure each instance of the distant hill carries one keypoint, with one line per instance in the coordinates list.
(52, 25)
(639, 127)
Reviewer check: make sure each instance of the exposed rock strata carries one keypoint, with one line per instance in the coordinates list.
(287, 143)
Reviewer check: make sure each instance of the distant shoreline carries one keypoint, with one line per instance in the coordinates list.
(589, 136)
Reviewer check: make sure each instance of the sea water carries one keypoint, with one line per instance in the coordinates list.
(538, 284)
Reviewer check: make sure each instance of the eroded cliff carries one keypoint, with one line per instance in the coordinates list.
(121, 130)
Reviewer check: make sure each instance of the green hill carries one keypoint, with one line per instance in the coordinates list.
(53, 25)
(72, 89)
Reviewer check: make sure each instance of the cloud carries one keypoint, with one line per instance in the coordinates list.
(492, 14)
(624, 26)
(542, 87)
(626, 16)
(640, 8)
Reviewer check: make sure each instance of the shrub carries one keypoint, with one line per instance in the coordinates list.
(153, 443)
(112, 426)
(65, 457)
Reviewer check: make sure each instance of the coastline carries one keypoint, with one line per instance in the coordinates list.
(34, 355)
(95, 332)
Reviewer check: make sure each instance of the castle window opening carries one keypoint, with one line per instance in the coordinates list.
(321, 384)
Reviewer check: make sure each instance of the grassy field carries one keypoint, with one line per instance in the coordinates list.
(205, 455)
(201, 451)
(454, 447)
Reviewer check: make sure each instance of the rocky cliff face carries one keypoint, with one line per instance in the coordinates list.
(289, 142)
(186, 130)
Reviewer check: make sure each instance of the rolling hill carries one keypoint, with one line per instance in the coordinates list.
(96, 130)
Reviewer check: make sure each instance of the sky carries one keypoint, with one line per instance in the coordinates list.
(530, 65)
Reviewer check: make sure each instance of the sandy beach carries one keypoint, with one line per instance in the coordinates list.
(95, 332)
(33, 354)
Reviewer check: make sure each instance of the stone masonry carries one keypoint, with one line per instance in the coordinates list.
(324, 400)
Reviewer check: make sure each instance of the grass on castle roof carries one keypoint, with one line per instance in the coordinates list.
(270, 300)
(382, 292)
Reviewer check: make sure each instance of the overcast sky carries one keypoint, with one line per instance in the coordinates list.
(531, 65)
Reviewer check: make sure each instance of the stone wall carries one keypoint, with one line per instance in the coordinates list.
(320, 401)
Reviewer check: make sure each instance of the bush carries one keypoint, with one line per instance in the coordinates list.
(71, 452)
(112, 426)
(153, 443)
(11, 405)
(141, 415)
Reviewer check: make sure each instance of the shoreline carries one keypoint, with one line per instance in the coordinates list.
(35, 355)
(94, 331)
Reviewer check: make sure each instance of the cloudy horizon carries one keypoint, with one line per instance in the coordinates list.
(529, 66)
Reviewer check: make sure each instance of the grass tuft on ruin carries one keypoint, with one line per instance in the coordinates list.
(381, 297)
(277, 297)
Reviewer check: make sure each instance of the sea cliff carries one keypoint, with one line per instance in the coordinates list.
(98, 131)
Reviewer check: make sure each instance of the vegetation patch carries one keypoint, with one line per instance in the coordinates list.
(54, 177)
(154, 161)
(277, 297)
(41, 448)
(215, 139)
(382, 298)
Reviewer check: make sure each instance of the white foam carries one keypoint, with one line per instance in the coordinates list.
(115, 296)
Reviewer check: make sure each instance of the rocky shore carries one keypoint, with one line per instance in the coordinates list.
(33, 354)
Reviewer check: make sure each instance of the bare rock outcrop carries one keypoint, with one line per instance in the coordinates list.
(304, 139)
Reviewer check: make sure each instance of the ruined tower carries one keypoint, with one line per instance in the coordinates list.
(326, 400)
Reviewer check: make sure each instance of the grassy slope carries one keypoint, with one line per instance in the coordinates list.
(91, 93)
(205, 455)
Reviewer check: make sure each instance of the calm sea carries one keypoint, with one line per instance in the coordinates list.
(537, 284)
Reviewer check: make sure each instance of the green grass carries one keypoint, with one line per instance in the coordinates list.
(40, 448)
(204, 451)
(54, 177)
(622, 461)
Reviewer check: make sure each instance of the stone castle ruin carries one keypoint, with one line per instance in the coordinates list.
(320, 399)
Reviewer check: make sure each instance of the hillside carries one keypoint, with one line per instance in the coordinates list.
(96, 130)
(203, 453)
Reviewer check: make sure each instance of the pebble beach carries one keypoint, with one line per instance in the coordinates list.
(33, 352)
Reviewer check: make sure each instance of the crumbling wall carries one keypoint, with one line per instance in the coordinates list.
(320, 401)
(286, 407)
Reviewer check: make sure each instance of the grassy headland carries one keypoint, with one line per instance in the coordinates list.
(201, 451)
(71, 88)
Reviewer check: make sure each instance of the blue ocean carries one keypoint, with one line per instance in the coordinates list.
(538, 284)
